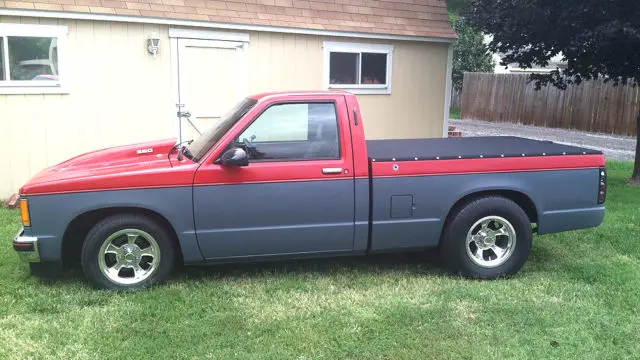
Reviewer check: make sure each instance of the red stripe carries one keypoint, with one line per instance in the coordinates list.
(476, 166)
(22, 244)
(280, 174)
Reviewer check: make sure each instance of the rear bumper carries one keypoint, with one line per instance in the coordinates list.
(26, 247)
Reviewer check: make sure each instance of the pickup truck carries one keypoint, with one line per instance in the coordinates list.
(291, 175)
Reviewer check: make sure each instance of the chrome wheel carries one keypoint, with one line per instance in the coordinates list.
(129, 256)
(491, 241)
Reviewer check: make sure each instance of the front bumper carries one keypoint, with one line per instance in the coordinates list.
(26, 247)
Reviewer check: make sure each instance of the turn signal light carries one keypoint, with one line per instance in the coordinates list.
(24, 209)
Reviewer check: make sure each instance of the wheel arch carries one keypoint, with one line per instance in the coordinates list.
(77, 230)
(520, 198)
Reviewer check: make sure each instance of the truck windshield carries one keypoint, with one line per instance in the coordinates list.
(201, 145)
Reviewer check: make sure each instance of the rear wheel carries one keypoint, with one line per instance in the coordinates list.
(487, 238)
(127, 251)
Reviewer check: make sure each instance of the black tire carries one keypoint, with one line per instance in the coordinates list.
(453, 245)
(98, 235)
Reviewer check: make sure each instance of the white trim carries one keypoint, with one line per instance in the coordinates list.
(214, 25)
(197, 43)
(244, 75)
(33, 30)
(349, 47)
(175, 82)
(357, 47)
(33, 90)
(362, 89)
(5, 59)
(208, 35)
(389, 70)
(182, 98)
(59, 86)
(447, 96)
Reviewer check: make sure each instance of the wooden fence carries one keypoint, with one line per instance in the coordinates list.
(592, 106)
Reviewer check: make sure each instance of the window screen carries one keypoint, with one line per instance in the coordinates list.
(374, 68)
(344, 68)
(357, 68)
(32, 58)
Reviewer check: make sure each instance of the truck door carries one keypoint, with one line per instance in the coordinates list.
(297, 193)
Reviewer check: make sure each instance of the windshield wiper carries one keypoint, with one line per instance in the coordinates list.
(174, 149)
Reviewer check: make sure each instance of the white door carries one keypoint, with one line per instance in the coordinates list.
(212, 77)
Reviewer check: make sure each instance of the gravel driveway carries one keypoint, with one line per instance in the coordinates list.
(613, 146)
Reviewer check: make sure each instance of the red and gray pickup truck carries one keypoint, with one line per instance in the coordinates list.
(290, 175)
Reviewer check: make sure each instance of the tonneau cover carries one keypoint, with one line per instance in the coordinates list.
(467, 148)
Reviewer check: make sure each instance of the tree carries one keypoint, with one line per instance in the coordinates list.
(598, 40)
(470, 54)
(455, 5)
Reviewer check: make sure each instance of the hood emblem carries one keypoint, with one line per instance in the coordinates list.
(144, 151)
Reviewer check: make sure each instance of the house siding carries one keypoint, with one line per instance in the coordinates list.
(119, 94)
(415, 107)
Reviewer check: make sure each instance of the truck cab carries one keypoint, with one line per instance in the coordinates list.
(286, 174)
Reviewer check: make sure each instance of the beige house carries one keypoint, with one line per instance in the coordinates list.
(79, 75)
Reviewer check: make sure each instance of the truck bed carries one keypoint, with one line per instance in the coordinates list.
(467, 148)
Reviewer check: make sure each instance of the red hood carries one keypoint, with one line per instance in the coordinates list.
(123, 167)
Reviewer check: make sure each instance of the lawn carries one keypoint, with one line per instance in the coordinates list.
(578, 297)
(454, 113)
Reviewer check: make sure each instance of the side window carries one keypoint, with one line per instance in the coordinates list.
(360, 68)
(32, 59)
(288, 132)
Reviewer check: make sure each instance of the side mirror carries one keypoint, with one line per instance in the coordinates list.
(233, 156)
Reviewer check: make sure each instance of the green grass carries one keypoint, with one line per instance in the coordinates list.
(454, 113)
(578, 297)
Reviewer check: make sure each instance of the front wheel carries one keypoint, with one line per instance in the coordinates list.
(126, 252)
(487, 238)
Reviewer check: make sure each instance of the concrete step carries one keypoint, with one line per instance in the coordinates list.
(13, 202)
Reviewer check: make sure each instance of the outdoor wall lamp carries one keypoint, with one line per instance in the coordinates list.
(153, 43)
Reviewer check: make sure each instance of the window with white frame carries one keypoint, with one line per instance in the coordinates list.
(359, 68)
(31, 58)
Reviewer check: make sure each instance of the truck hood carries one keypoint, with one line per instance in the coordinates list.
(122, 167)
(119, 157)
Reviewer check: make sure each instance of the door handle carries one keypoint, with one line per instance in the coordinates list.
(329, 171)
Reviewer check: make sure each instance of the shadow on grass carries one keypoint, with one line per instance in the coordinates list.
(542, 256)
(424, 262)
(413, 263)
(542, 260)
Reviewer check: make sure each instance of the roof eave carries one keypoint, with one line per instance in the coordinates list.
(218, 25)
